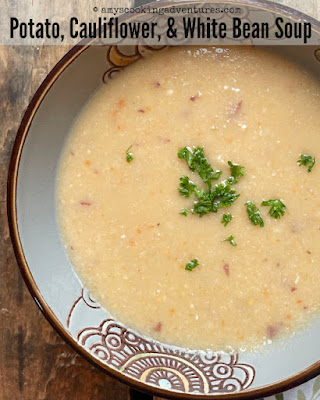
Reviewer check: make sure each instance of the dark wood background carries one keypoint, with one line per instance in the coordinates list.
(35, 363)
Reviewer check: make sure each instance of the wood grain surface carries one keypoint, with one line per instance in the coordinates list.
(35, 363)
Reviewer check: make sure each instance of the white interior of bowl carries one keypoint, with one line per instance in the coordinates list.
(37, 223)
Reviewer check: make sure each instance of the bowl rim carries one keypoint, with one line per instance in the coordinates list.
(38, 97)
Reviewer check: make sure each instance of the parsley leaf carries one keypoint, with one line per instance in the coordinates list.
(254, 214)
(230, 240)
(221, 196)
(186, 186)
(226, 218)
(129, 156)
(198, 163)
(192, 264)
(236, 171)
(184, 212)
(210, 200)
(306, 159)
(277, 209)
(202, 206)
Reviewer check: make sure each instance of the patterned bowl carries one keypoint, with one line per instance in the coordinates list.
(158, 368)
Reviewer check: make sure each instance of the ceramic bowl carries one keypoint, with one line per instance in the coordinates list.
(154, 367)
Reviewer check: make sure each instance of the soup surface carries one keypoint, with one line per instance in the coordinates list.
(121, 221)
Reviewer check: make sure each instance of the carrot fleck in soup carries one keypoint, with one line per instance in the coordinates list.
(189, 197)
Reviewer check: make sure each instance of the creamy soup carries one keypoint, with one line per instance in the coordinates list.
(174, 277)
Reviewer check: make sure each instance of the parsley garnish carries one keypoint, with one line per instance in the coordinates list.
(230, 240)
(277, 209)
(306, 159)
(129, 156)
(192, 264)
(254, 214)
(198, 163)
(210, 200)
(222, 195)
(236, 171)
(184, 212)
(186, 186)
(226, 218)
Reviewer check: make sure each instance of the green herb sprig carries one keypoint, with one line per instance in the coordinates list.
(306, 159)
(197, 162)
(222, 195)
(192, 264)
(226, 218)
(236, 172)
(230, 239)
(254, 214)
(129, 156)
(212, 199)
(277, 209)
(186, 187)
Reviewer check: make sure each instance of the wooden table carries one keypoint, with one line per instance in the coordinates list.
(35, 363)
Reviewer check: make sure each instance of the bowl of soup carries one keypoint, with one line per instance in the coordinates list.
(164, 210)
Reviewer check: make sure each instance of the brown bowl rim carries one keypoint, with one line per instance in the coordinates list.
(22, 133)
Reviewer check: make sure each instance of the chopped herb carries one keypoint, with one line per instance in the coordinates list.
(192, 264)
(236, 171)
(210, 200)
(202, 206)
(129, 156)
(230, 240)
(306, 159)
(221, 196)
(184, 212)
(226, 218)
(186, 186)
(198, 163)
(224, 195)
(254, 214)
(277, 209)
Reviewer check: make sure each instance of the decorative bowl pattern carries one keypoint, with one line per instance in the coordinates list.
(155, 363)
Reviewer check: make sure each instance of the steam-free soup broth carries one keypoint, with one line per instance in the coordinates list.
(176, 265)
